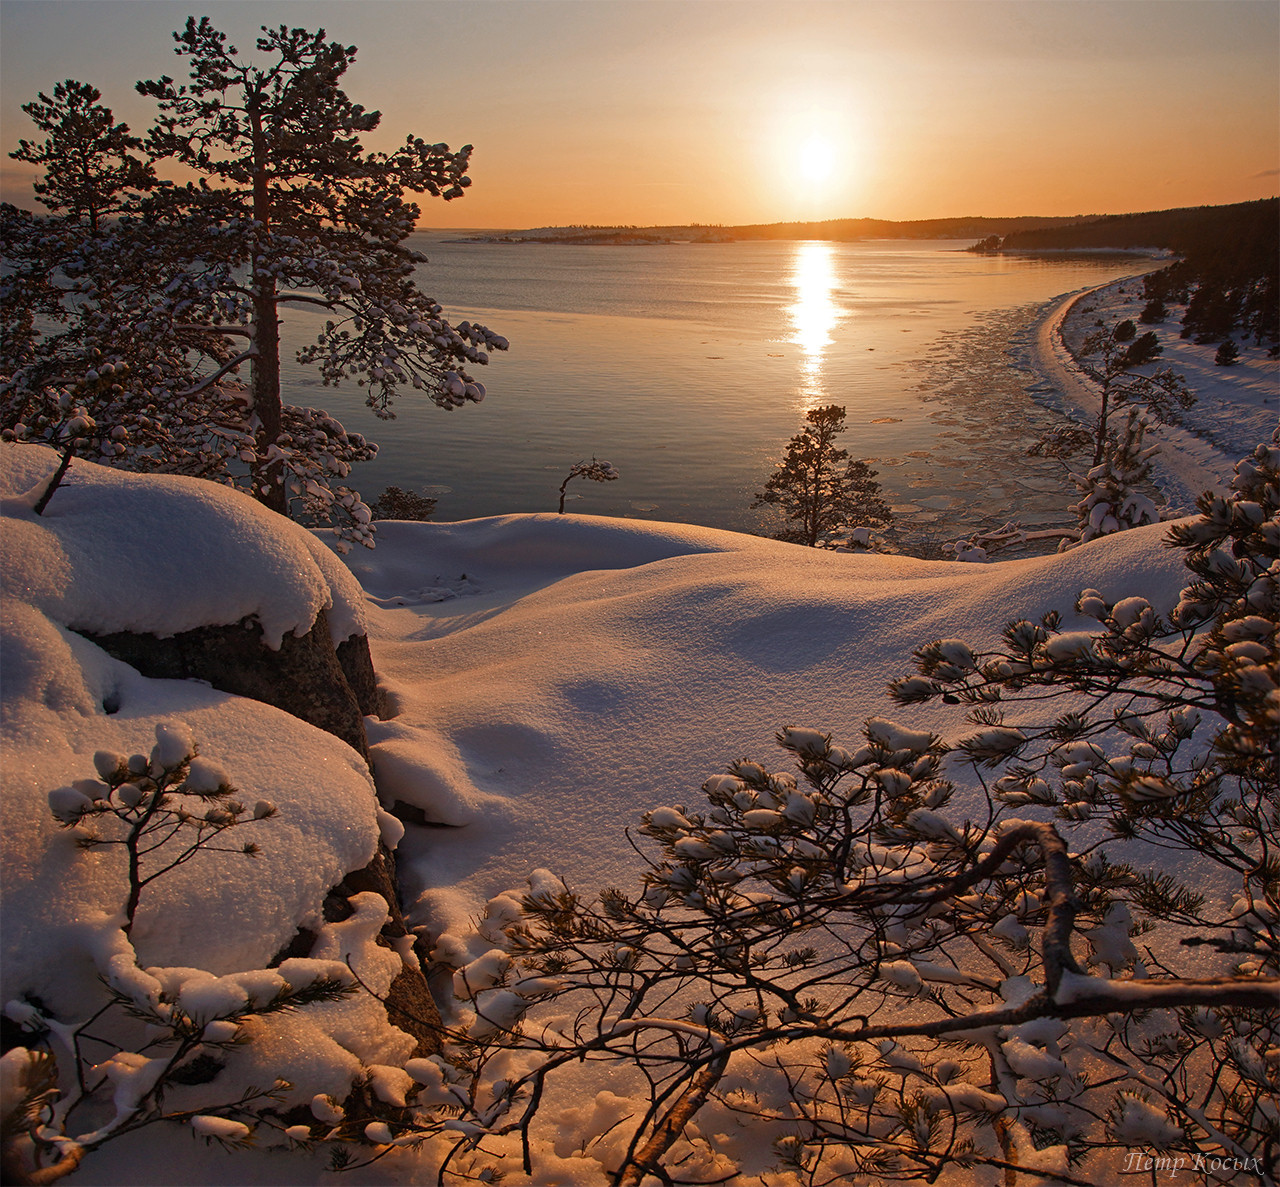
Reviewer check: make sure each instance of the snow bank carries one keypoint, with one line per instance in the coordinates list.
(160, 554)
(1236, 407)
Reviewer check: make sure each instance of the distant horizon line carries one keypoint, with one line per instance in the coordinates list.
(816, 222)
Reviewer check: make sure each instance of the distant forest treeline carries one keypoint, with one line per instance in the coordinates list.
(1229, 273)
(1237, 230)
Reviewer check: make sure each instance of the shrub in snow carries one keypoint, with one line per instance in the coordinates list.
(1153, 312)
(79, 1084)
(395, 503)
(594, 470)
(824, 494)
(74, 1075)
(1111, 500)
(162, 809)
(832, 956)
(120, 337)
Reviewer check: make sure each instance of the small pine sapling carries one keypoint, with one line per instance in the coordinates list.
(1111, 499)
(162, 809)
(395, 503)
(165, 808)
(596, 471)
(1110, 357)
(1228, 354)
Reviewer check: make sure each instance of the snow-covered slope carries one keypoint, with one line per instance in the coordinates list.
(557, 676)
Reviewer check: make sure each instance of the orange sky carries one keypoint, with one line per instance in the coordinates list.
(677, 111)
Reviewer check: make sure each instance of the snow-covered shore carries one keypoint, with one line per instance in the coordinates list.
(1236, 407)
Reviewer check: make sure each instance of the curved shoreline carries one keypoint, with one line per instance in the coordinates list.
(1185, 466)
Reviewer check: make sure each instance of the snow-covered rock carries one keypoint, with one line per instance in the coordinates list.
(122, 552)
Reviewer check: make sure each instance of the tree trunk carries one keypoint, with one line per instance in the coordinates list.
(1100, 443)
(268, 475)
(268, 484)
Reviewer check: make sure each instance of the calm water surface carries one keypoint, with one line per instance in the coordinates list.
(689, 366)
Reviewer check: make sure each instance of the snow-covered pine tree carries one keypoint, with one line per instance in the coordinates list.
(70, 387)
(819, 488)
(1110, 499)
(93, 366)
(1108, 356)
(290, 210)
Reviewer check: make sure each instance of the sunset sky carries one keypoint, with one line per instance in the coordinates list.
(731, 111)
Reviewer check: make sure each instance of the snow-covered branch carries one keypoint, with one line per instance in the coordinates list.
(210, 380)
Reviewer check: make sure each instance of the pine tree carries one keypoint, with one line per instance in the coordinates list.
(819, 488)
(91, 170)
(1111, 499)
(395, 503)
(1153, 312)
(290, 210)
(1108, 357)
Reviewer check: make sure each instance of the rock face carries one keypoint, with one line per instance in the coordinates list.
(332, 688)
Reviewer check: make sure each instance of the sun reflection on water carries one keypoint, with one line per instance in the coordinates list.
(814, 314)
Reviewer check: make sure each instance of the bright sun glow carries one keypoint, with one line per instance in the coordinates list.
(817, 160)
(814, 147)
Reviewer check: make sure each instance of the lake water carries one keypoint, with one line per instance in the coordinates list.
(689, 366)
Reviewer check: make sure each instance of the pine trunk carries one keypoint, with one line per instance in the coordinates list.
(1100, 442)
(268, 475)
(268, 486)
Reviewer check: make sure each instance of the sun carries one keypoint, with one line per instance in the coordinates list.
(811, 159)
(816, 160)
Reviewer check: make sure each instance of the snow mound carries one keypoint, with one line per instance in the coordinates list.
(117, 551)
(160, 554)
